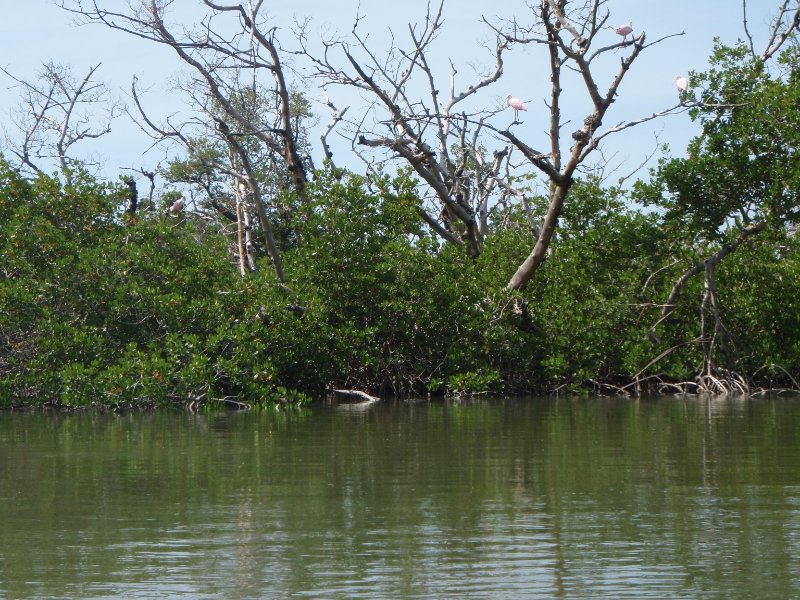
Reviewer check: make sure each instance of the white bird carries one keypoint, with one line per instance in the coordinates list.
(516, 104)
(177, 206)
(624, 30)
(682, 84)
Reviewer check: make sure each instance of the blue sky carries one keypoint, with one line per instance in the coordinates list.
(37, 30)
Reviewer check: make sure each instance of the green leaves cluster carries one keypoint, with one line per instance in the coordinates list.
(386, 307)
(98, 309)
(744, 166)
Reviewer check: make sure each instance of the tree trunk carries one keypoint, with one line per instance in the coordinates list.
(536, 257)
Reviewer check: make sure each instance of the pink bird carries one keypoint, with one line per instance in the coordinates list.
(624, 30)
(177, 206)
(516, 104)
(682, 84)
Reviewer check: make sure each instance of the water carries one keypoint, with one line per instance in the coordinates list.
(533, 498)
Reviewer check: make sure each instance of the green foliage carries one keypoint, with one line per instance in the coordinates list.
(385, 307)
(471, 382)
(741, 177)
(588, 298)
(744, 166)
(761, 305)
(99, 310)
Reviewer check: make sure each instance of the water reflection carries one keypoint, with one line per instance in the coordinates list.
(541, 498)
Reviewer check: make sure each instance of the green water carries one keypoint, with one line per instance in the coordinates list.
(533, 498)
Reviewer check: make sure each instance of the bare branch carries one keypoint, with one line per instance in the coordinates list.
(699, 266)
(210, 56)
(677, 109)
(338, 115)
(56, 112)
(746, 30)
(780, 33)
(251, 182)
(555, 79)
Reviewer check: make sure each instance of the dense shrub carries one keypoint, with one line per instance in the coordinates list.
(99, 308)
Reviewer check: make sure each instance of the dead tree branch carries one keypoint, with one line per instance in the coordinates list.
(782, 28)
(572, 52)
(429, 133)
(56, 112)
(240, 86)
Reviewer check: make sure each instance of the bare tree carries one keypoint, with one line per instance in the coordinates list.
(56, 111)
(446, 144)
(440, 142)
(226, 66)
(570, 38)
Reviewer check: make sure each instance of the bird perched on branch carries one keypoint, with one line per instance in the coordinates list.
(682, 84)
(516, 104)
(624, 30)
(177, 206)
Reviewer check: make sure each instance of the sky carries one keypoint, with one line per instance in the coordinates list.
(37, 31)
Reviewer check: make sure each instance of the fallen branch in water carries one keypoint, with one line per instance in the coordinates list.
(357, 394)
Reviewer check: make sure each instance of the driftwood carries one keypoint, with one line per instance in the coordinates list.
(363, 395)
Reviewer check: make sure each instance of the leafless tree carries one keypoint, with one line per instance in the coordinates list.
(570, 34)
(56, 111)
(431, 134)
(228, 49)
(447, 145)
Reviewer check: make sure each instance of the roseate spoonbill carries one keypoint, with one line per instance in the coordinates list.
(682, 84)
(516, 104)
(624, 30)
(177, 206)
